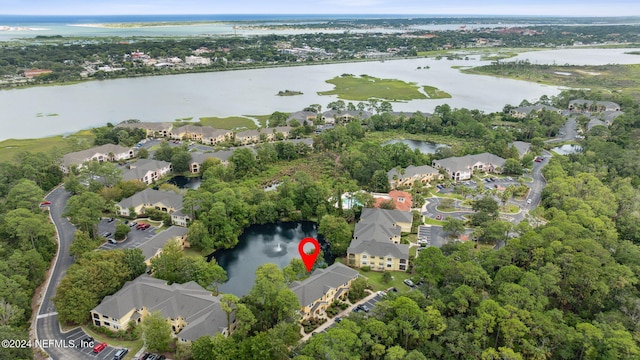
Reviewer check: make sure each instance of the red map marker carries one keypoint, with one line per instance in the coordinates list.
(309, 259)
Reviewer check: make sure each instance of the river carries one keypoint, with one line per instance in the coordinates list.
(23, 112)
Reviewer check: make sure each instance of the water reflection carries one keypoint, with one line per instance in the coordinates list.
(425, 147)
(260, 244)
(567, 149)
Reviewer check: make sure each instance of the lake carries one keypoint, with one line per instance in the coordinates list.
(184, 182)
(567, 149)
(424, 147)
(260, 244)
(253, 92)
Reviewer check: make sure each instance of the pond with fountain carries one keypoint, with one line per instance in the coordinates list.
(275, 243)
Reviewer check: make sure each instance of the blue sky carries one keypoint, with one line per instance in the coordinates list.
(426, 7)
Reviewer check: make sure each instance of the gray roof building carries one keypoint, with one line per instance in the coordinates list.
(198, 157)
(379, 248)
(522, 147)
(99, 153)
(140, 168)
(533, 108)
(385, 217)
(148, 197)
(376, 232)
(321, 281)
(467, 162)
(591, 105)
(302, 116)
(198, 307)
(411, 171)
(151, 247)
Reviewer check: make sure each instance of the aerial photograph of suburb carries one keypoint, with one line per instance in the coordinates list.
(319, 180)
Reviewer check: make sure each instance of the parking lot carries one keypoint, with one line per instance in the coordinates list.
(77, 335)
(135, 238)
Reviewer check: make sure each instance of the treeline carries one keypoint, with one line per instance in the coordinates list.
(66, 57)
(27, 242)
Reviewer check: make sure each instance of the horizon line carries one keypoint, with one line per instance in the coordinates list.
(339, 14)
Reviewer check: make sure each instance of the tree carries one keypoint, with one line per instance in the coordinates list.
(164, 152)
(454, 227)
(244, 163)
(156, 332)
(85, 211)
(270, 300)
(199, 237)
(337, 233)
(72, 184)
(388, 204)
(512, 166)
(379, 181)
(143, 153)
(83, 243)
(121, 231)
(180, 162)
(357, 289)
(26, 194)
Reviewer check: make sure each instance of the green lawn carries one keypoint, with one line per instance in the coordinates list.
(133, 346)
(78, 141)
(375, 279)
(228, 123)
(362, 88)
(430, 221)
(511, 209)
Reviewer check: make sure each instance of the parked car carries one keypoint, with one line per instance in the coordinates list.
(438, 217)
(539, 159)
(99, 347)
(393, 289)
(409, 283)
(110, 220)
(529, 201)
(145, 356)
(120, 354)
(86, 342)
(152, 357)
(338, 319)
(112, 240)
(133, 223)
(142, 226)
(364, 308)
(44, 203)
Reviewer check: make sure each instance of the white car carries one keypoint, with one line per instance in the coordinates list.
(529, 201)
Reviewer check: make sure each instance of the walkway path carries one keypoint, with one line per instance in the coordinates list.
(343, 313)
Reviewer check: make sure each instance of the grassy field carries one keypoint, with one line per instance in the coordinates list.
(606, 78)
(435, 93)
(80, 140)
(362, 88)
(228, 123)
(133, 346)
(375, 279)
(262, 119)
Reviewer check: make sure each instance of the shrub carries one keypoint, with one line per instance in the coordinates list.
(366, 268)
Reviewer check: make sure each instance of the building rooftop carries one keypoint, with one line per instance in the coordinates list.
(150, 247)
(320, 281)
(139, 169)
(464, 163)
(153, 126)
(189, 301)
(150, 197)
(411, 171)
(79, 157)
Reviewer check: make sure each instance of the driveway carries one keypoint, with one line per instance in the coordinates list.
(47, 324)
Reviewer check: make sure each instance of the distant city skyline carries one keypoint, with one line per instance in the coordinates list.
(381, 7)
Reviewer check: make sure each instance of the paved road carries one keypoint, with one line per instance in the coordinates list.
(47, 325)
(569, 131)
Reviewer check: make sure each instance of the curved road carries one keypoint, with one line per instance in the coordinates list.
(47, 325)
(535, 195)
